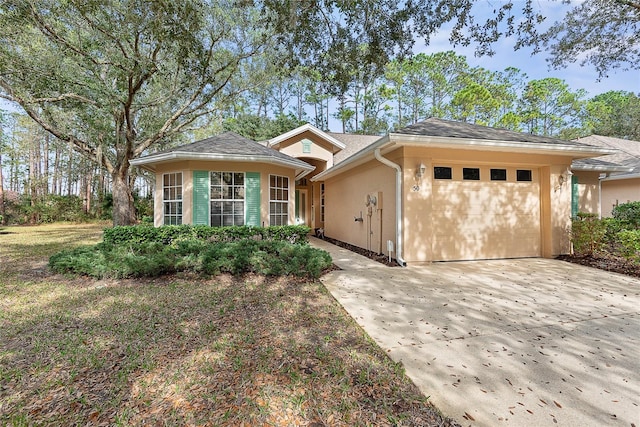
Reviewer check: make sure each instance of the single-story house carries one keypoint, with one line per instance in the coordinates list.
(435, 191)
(607, 181)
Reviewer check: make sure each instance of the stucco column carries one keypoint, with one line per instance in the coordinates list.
(560, 209)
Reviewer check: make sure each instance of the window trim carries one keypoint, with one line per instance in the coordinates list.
(177, 201)
(491, 176)
(322, 202)
(442, 169)
(466, 177)
(233, 214)
(283, 202)
(524, 179)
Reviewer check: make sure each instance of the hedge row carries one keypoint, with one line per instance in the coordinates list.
(139, 234)
(271, 258)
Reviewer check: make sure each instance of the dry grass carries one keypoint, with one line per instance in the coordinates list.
(182, 350)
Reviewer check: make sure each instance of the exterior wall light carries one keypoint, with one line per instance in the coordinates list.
(565, 176)
(420, 171)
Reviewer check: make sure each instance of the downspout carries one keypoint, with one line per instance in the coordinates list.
(389, 163)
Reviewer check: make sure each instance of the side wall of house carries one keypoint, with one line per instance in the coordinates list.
(188, 167)
(352, 216)
(619, 191)
(588, 191)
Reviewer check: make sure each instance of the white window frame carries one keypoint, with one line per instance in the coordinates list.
(322, 202)
(279, 195)
(172, 198)
(228, 205)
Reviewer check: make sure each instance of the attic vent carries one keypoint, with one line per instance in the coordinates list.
(306, 146)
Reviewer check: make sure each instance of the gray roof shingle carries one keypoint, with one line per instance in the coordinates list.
(452, 129)
(353, 143)
(629, 151)
(232, 145)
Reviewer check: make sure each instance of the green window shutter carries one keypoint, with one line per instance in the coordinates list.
(575, 196)
(252, 198)
(200, 198)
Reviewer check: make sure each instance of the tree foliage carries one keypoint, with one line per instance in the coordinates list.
(602, 33)
(113, 80)
(615, 113)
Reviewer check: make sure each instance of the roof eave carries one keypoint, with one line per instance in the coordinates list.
(498, 145)
(149, 161)
(600, 168)
(621, 177)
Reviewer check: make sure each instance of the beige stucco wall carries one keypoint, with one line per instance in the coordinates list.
(588, 191)
(187, 168)
(525, 219)
(618, 192)
(345, 200)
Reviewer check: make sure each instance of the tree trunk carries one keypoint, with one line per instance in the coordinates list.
(2, 210)
(45, 165)
(33, 189)
(88, 187)
(55, 189)
(123, 210)
(70, 172)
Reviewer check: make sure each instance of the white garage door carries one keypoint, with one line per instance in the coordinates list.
(486, 219)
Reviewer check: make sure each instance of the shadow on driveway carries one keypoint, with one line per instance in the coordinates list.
(524, 342)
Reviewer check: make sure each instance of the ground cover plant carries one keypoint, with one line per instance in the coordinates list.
(182, 349)
(147, 251)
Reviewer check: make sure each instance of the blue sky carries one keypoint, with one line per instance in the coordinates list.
(535, 66)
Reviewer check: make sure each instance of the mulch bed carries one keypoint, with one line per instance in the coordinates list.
(381, 258)
(605, 261)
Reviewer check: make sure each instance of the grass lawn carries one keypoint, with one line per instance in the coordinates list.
(181, 350)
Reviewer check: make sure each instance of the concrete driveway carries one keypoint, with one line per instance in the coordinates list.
(528, 342)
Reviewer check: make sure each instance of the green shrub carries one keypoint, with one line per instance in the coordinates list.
(264, 257)
(629, 241)
(167, 234)
(587, 233)
(628, 213)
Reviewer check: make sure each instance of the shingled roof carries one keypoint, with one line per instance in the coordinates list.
(452, 129)
(227, 146)
(628, 155)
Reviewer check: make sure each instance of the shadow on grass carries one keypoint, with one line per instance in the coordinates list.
(187, 350)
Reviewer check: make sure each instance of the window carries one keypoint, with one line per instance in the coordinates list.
(172, 198)
(440, 172)
(278, 200)
(498, 174)
(227, 198)
(471, 174)
(523, 175)
(322, 202)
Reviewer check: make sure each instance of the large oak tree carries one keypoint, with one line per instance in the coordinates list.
(114, 78)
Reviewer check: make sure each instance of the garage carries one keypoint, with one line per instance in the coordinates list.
(485, 212)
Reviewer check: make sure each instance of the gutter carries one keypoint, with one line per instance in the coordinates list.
(389, 163)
